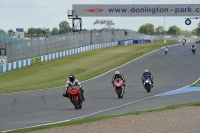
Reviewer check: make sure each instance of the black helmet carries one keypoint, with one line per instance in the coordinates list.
(71, 78)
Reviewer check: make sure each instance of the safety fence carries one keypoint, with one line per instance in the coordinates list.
(34, 47)
(27, 62)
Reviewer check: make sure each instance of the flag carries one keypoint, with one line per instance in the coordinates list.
(107, 23)
(98, 21)
(101, 22)
(95, 22)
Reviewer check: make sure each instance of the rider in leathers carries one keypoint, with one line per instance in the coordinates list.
(73, 81)
(147, 74)
(184, 41)
(118, 75)
(166, 48)
(193, 46)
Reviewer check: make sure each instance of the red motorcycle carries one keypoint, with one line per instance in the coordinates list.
(118, 83)
(75, 96)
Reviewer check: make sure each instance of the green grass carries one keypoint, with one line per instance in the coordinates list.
(84, 65)
(93, 119)
(197, 84)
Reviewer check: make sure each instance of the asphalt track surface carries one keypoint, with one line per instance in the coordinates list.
(173, 71)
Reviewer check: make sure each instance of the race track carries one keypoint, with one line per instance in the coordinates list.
(173, 71)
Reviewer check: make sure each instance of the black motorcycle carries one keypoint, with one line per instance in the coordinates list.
(166, 50)
(184, 41)
(193, 50)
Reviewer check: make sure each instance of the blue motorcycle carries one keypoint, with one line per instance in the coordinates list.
(147, 84)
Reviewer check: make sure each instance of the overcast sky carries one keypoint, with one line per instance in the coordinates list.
(49, 13)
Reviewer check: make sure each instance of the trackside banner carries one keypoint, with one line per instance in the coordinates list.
(137, 10)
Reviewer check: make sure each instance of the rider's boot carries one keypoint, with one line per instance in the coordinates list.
(124, 90)
(65, 95)
(83, 97)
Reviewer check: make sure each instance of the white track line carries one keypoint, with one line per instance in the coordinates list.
(28, 122)
(141, 110)
(102, 110)
(100, 74)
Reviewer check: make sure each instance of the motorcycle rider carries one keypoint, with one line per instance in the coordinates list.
(73, 81)
(166, 47)
(147, 74)
(193, 46)
(184, 41)
(118, 75)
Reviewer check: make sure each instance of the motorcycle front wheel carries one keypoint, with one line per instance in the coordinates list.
(148, 88)
(119, 93)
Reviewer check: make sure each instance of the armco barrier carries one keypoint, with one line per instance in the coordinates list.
(126, 42)
(23, 63)
(141, 41)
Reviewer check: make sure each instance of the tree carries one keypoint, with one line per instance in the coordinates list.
(174, 30)
(54, 31)
(2, 31)
(10, 32)
(147, 29)
(159, 30)
(64, 27)
(84, 30)
(186, 32)
(38, 31)
(47, 31)
(104, 28)
(198, 28)
(194, 31)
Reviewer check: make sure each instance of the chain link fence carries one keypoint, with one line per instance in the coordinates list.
(28, 48)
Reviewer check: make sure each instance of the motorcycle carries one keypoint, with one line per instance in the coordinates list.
(166, 50)
(193, 50)
(184, 41)
(147, 84)
(118, 84)
(75, 96)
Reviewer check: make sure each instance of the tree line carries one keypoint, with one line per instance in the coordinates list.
(63, 28)
(149, 29)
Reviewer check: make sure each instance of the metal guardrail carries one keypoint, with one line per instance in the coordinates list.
(34, 47)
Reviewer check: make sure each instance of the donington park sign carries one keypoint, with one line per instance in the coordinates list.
(139, 10)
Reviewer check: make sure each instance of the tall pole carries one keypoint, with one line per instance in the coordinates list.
(164, 25)
(38, 46)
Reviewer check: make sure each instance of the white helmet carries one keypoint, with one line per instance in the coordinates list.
(146, 70)
(117, 72)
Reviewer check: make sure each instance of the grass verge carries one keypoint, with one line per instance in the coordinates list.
(84, 65)
(197, 84)
(93, 119)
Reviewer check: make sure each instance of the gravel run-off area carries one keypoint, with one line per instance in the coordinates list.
(182, 120)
